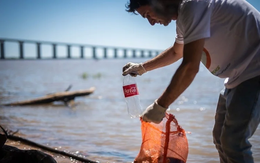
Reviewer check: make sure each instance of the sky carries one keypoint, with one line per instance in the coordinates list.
(95, 22)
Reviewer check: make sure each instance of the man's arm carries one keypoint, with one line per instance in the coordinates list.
(165, 58)
(184, 74)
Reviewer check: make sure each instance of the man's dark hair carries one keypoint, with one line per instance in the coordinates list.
(164, 8)
(132, 5)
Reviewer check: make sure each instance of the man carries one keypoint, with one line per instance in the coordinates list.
(225, 36)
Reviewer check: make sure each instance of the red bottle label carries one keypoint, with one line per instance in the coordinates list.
(130, 90)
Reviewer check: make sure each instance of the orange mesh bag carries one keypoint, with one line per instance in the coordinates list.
(165, 142)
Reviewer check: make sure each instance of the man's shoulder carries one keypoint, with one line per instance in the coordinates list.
(196, 1)
(193, 6)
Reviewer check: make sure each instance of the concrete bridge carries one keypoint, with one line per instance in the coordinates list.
(62, 50)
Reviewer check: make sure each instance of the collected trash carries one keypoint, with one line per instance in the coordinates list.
(131, 96)
(165, 142)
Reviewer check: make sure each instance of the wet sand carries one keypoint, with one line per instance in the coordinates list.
(58, 158)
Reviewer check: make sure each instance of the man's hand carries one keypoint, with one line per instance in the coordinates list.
(154, 113)
(133, 69)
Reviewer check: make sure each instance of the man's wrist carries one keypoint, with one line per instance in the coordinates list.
(161, 104)
(144, 65)
(144, 70)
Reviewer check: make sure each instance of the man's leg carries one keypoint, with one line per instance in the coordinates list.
(241, 121)
(219, 122)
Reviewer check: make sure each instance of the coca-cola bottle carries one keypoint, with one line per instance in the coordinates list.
(131, 96)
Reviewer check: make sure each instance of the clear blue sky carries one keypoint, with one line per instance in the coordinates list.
(97, 22)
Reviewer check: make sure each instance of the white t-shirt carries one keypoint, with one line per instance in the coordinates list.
(231, 29)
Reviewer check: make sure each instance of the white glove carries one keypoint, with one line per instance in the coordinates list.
(133, 69)
(154, 113)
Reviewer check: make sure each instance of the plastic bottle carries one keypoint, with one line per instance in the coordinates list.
(131, 96)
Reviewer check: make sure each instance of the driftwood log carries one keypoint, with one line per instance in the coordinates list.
(13, 152)
(59, 96)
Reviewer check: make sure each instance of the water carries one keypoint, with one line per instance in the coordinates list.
(98, 126)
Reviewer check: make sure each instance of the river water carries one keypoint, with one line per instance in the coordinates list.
(98, 126)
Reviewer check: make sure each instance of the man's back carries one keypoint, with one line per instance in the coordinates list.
(232, 32)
